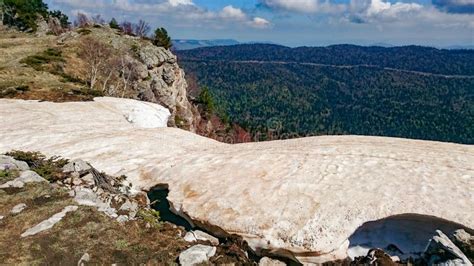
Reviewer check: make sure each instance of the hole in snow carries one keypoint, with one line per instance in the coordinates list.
(404, 235)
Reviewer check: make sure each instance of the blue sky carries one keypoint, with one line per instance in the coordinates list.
(296, 22)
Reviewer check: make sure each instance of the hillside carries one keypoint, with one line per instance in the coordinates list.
(291, 198)
(279, 92)
(58, 68)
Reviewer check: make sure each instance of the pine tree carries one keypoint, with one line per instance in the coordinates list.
(114, 24)
(162, 38)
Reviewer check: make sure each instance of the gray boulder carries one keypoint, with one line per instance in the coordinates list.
(196, 255)
(8, 163)
(465, 242)
(87, 197)
(78, 166)
(49, 223)
(441, 251)
(24, 178)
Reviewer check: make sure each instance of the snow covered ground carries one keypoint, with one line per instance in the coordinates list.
(321, 198)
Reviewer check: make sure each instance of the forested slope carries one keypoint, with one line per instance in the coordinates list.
(289, 95)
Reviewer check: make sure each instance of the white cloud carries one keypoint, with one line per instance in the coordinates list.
(304, 6)
(260, 23)
(180, 2)
(182, 12)
(230, 12)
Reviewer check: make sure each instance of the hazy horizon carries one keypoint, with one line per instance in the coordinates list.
(436, 23)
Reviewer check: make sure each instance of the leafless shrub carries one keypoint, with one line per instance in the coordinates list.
(82, 20)
(127, 27)
(142, 28)
(97, 19)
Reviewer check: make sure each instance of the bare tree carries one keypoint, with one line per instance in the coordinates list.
(97, 19)
(95, 54)
(142, 28)
(127, 72)
(82, 20)
(127, 27)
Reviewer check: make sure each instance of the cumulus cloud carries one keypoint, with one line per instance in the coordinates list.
(382, 11)
(180, 10)
(230, 12)
(378, 10)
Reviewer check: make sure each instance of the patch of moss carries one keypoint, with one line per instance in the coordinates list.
(150, 216)
(7, 175)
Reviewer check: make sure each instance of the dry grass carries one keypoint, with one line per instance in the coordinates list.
(85, 230)
(47, 83)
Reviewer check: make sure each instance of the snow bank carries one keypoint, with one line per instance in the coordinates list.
(307, 196)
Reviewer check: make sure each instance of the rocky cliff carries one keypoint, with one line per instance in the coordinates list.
(313, 199)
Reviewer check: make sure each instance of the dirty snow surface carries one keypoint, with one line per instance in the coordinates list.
(321, 198)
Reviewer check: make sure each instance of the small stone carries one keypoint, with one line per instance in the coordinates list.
(79, 166)
(122, 219)
(76, 182)
(1, 217)
(197, 235)
(85, 258)
(18, 208)
(88, 180)
(265, 261)
(196, 255)
(131, 207)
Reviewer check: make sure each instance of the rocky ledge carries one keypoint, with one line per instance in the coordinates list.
(311, 200)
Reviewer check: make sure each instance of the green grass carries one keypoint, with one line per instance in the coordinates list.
(150, 216)
(37, 62)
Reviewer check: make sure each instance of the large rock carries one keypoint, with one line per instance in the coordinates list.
(302, 196)
(24, 178)
(78, 166)
(441, 251)
(9, 163)
(87, 197)
(165, 84)
(49, 223)
(196, 255)
(465, 242)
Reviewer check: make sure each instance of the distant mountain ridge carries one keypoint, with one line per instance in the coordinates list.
(412, 58)
(187, 44)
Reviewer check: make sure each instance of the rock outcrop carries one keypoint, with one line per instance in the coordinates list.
(302, 198)
(163, 82)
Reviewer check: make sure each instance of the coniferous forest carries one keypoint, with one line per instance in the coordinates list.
(410, 92)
